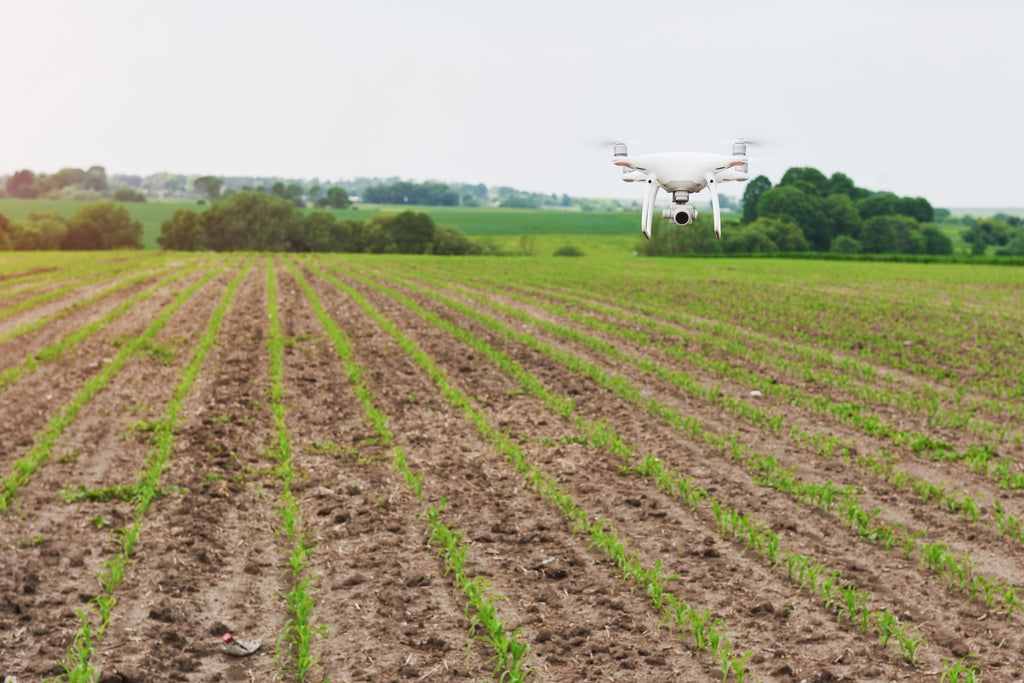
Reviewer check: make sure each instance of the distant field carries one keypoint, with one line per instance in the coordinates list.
(593, 232)
(481, 221)
(150, 214)
(986, 213)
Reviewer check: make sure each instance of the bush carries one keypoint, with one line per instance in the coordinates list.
(128, 194)
(568, 250)
(844, 244)
(184, 232)
(102, 226)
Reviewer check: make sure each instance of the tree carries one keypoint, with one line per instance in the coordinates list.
(412, 233)
(370, 236)
(249, 221)
(785, 233)
(878, 204)
(128, 194)
(699, 238)
(936, 241)
(22, 184)
(183, 232)
(95, 179)
(67, 177)
(294, 193)
(103, 225)
(1015, 247)
(319, 231)
(909, 237)
(988, 231)
(402, 192)
(806, 210)
(749, 238)
(38, 231)
(810, 180)
(314, 193)
(755, 188)
(918, 208)
(877, 236)
(843, 217)
(844, 244)
(210, 186)
(5, 237)
(449, 240)
(840, 183)
(338, 198)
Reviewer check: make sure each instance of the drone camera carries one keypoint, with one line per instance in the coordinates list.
(680, 214)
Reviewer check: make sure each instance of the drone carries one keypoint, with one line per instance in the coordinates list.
(679, 174)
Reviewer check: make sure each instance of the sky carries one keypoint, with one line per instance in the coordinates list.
(921, 98)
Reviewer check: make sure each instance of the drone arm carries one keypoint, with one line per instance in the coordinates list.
(648, 212)
(712, 182)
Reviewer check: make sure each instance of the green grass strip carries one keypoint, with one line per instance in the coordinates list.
(25, 467)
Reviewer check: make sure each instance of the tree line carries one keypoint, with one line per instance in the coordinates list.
(255, 221)
(70, 183)
(101, 225)
(810, 212)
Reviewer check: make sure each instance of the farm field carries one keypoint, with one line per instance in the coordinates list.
(459, 469)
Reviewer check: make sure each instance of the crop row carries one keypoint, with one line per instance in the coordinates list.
(81, 656)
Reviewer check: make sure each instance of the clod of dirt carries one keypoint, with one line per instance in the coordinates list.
(417, 580)
(218, 628)
(162, 613)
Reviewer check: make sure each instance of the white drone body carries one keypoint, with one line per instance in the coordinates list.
(679, 174)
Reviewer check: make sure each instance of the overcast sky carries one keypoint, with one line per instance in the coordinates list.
(923, 98)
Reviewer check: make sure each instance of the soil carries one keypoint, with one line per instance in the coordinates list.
(211, 558)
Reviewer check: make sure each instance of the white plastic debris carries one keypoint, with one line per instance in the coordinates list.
(236, 647)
